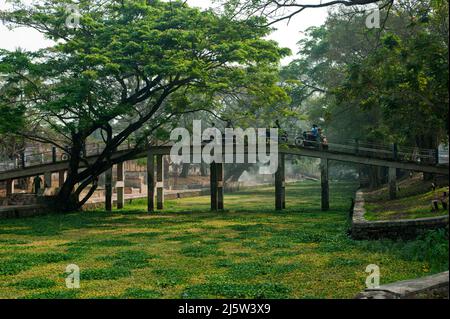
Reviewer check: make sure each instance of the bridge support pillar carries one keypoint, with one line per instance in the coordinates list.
(47, 179)
(325, 203)
(392, 183)
(280, 187)
(61, 178)
(159, 181)
(216, 185)
(9, 187)
(150, 181)
(108, 189)
(120, 184)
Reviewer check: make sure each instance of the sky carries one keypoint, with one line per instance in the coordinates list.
(287, 34)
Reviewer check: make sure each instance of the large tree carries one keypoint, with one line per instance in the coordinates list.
(132, 62)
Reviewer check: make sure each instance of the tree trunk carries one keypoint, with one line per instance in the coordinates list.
(65, 200)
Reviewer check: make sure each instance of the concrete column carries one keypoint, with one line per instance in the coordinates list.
(9, 187)
(219, 174)
(47, 179)
(120, 184)
(108, 189)
(280, 192)
(392, 183)
(159, 181)
(150, 181)
(436, 156)
(61, 178)
(395, 151)
(213, 185)
(324, 183)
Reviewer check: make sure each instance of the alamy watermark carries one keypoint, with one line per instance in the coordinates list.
(73, 277)
(373, 18)
(258, 140)
(73, 16)
(373, 280)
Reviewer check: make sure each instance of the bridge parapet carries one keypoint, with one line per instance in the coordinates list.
(288, 142)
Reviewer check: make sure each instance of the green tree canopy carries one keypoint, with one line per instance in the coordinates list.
(135, 62)
(385, 85)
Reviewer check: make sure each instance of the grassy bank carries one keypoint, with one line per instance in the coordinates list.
(248, 251)
(413, 200)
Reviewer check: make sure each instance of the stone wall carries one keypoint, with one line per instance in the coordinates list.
(22, 211)
(395, 229)
(429, 287)
(41, 208)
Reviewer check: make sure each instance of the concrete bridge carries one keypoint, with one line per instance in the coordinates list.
(423, 161)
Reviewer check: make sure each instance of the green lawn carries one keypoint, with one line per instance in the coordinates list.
(248, 251)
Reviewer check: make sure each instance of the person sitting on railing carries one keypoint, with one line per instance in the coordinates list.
(315, 131)
(323, 139)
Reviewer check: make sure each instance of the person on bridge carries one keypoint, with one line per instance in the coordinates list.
(323, 139)
(229, 124)
(277, 124)
(37, 184)
(315, 130)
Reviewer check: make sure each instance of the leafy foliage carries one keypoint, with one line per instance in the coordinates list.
(129, 71)
(388, 84)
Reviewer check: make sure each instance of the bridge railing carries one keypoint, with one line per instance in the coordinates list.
(52, 156)
(363, 148)
(376, 150)
(398, 152)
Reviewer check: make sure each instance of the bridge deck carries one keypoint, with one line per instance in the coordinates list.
(336, 152)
